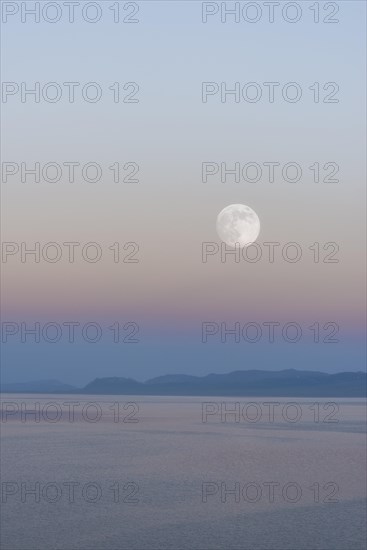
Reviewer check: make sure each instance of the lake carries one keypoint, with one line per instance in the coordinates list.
(138, 472)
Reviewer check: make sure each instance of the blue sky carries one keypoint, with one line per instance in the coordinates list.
(170, 52)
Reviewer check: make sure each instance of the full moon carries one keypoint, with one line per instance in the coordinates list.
(238, 223)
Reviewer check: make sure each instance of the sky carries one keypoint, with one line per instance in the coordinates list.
(161, 282)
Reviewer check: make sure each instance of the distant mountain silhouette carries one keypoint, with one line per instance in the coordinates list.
(245, 383)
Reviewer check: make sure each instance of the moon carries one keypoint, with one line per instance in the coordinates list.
(238, 223)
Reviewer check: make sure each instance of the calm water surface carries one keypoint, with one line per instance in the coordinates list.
(95, 472)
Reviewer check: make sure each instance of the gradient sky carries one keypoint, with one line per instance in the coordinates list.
(170, 212)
